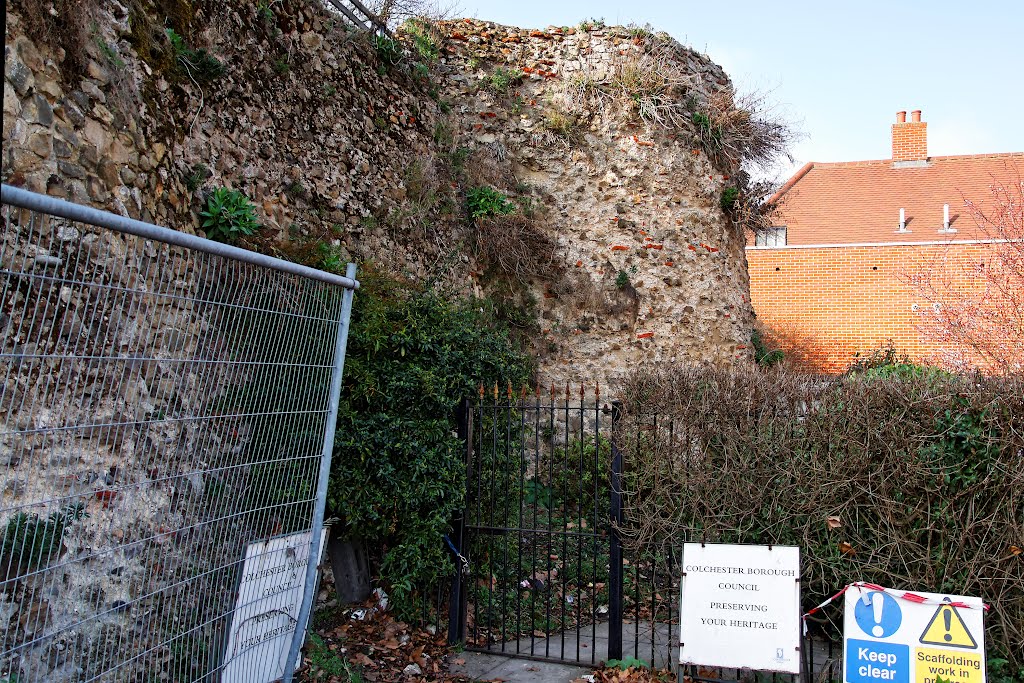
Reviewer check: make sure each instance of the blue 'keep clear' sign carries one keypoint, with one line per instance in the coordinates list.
(877, 615)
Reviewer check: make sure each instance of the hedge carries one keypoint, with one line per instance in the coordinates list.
(913, 481)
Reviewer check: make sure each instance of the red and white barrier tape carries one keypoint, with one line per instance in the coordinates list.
(900, 595)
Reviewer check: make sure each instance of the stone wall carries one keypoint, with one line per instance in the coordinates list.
(348, 155)
(326, 138)
(304, 120)
(624, 195)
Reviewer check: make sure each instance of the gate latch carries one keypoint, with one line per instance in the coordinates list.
(463, 562)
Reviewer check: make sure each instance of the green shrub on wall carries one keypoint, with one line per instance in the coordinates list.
(398, 473)
(228, 215)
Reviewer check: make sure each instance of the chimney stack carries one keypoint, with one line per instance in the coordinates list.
(909, 138)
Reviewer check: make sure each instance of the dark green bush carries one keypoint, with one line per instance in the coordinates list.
(29, 541)
(398, 474)
(730, 196)
(886, 361)
(764, 356)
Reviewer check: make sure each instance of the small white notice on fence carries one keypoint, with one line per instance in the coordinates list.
(896, 636)
(267, 608)
(740, 607)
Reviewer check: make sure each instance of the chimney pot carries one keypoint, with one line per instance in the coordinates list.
(909, 138)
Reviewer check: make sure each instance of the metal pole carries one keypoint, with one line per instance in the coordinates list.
(615, 547)
(325, 471)
(457, 600)
(41, 203)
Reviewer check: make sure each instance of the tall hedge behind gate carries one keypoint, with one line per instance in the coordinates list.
(910, 482)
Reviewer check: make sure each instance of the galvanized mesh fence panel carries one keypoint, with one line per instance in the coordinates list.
(163, 418)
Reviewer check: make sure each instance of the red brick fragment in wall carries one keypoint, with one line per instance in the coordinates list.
(645, 335)
(620, 247)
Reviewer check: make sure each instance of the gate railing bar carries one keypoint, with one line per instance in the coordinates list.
(615, 544)
(24, 199)
(457, 600)
(325, 471)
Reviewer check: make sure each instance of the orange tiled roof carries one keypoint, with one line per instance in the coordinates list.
(860, 201)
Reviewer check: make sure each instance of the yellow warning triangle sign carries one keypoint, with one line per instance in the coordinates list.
(947, 628)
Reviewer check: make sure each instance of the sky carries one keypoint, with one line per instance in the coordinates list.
(839, 71)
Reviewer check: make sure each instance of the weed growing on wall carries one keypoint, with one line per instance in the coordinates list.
(389, 51)
(228, 215)
(486, 201)
(199, 65)
(730, 196)
(425, 39)
(501, 80)
(198, 175)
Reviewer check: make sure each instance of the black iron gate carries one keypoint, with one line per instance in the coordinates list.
(545, 568)
(545, 575)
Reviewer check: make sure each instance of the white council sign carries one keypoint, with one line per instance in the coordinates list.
(895, 637)
(740, 607)
(267, 608)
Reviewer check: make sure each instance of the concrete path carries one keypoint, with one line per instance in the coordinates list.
(583, 651)
(485, 667)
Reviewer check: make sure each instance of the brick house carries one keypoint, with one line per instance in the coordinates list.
(831, 279)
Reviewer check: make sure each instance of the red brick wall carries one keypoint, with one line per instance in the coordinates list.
(836, 301)
(910, 141)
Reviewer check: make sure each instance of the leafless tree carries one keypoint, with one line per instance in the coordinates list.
(978, 306)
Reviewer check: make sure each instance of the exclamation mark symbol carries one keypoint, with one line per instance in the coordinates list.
(877, 600)
(947, 616)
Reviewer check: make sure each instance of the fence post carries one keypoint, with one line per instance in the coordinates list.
(302, 618)
(457, 601)
(615, 549)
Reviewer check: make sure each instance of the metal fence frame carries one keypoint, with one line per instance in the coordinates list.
(360, 16)
(44, 212)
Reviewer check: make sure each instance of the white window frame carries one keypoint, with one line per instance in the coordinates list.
(774, 236)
